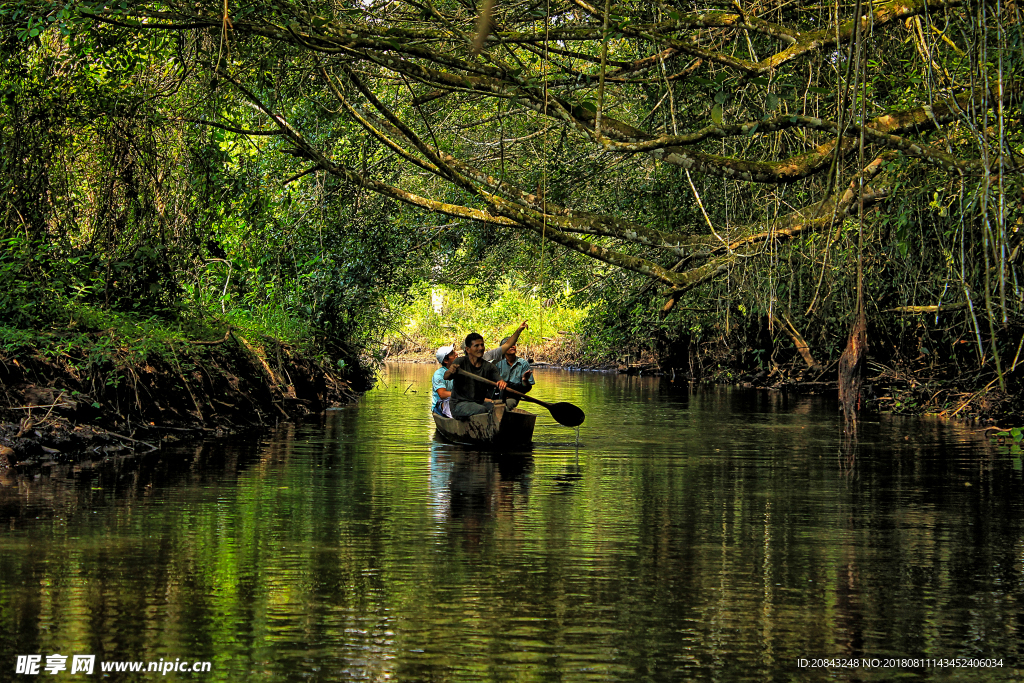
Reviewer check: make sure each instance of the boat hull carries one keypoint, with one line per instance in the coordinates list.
(501, 428)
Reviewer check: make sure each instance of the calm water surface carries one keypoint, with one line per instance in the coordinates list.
(692, 534)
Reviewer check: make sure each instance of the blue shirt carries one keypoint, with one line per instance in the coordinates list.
(514, 373)
(439, 382)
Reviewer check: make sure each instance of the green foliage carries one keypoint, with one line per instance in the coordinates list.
(158, 207)
(157, 225)
(441, 316)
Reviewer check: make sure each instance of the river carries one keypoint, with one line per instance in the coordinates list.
(691, 533)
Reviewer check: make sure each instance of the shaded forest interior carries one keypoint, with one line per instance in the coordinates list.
(724, 187)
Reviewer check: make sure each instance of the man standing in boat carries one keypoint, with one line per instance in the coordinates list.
(442, 388)
(470, 397)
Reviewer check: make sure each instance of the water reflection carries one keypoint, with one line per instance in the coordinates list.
(474, 491)
(696, 534)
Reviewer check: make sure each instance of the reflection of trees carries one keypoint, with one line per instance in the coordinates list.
(342, 559)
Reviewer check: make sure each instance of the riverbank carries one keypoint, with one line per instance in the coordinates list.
(86, 391)
(89, 391)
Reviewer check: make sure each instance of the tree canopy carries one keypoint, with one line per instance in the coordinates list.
(747, 149)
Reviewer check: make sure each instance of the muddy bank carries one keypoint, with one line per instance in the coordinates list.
(80, 404)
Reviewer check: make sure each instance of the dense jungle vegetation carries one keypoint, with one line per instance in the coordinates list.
(732, 186)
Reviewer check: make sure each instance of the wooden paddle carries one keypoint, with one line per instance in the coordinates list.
(564, 413)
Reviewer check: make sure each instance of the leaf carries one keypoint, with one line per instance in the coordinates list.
(819, 91)
(674, 15)
(721, 96)
(716, 114)
(763, 82)
(771, 103)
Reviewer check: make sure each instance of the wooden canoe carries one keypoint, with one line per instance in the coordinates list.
(498, 429)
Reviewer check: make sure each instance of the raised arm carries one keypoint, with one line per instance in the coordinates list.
(514, 338)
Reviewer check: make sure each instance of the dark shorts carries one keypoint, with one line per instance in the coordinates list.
(468, 408)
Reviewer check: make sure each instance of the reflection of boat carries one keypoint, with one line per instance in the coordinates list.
(498, 429)
(471, 486)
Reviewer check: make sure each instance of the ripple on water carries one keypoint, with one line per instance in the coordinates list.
(691, 534)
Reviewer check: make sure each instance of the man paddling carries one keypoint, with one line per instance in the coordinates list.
(470, 397)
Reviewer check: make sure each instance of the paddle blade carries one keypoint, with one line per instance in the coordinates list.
(567, 414)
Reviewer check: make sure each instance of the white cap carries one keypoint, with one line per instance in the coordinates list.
(443, 352)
